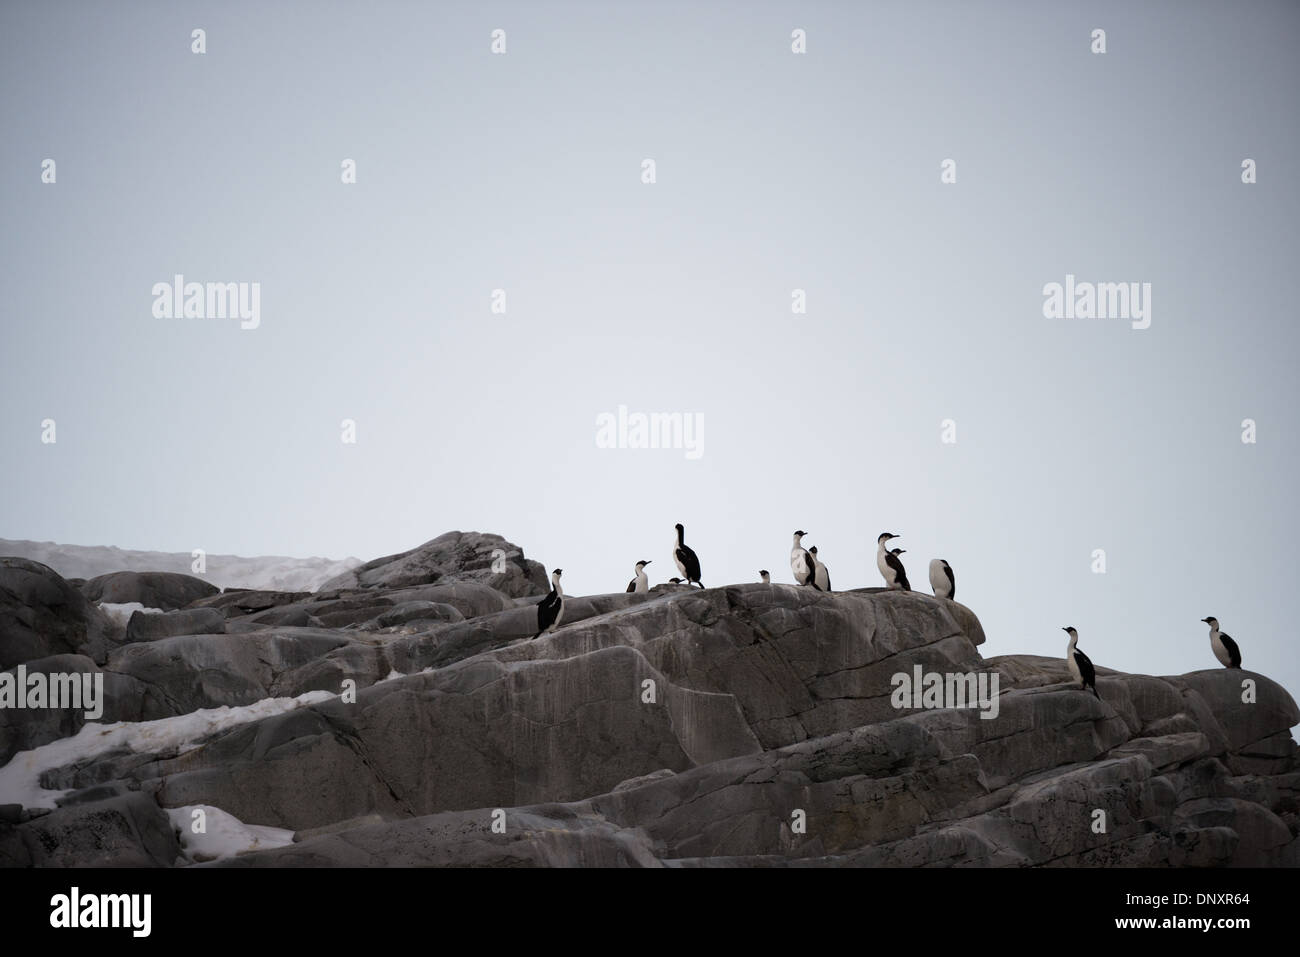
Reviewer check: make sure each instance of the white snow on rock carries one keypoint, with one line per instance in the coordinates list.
(121, 612)
(223, 835)
(20, 779)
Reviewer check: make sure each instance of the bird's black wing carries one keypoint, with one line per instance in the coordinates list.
(1234, 653)
(1086, 670)
(901, 573)
(548, 608)
(631, 586)
(952, 582)
(687, 557)
(828, 581)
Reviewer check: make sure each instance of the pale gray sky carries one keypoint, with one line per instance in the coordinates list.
(775, 171)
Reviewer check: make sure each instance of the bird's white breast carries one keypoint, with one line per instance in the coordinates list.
(1074, 665)
(938, 578)
(1220, 649)
(798, 561)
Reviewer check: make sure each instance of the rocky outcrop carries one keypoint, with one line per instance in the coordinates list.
(42, 615)
(102, 828)
(453, 557)
(166, 590)
(744, 725)
(143, 626)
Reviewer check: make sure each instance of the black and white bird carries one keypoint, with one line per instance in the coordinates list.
(676, 581)
(801, 563)
(1080, 664)
(688, 563)
(821, 577)
(891, 569)
(640, 583)
(763, 574)
(941, 579)
(550, 610)
(1225, 649)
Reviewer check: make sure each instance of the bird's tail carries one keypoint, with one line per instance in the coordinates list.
(1094, 691)
(815, 585)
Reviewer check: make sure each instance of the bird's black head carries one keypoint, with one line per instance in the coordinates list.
(813, 550)
(558, 571)
(1211, 621)
(1069, 630)
(885, 536)
(680, 527)
(763, 571)
(801, 532)
(898, 551)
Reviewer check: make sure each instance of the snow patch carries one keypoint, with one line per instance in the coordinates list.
(20, 779)
(121, 612)
(224, 834)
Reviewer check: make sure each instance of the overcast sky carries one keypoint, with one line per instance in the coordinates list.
(774, 171)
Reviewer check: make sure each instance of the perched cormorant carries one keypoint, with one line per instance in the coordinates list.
(821, 577)
(1080, 664)
(640, 583)
(551, 608)
(891, 569)
(1225, 649)
(688, 563)
(941, 579)
(801, 563)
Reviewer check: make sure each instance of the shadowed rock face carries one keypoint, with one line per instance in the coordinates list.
(42, 615)
(454, 556)
(166, 590)
(746, 725)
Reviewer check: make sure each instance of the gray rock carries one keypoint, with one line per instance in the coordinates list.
(166, 590)
(454, 556)
(432, 612)
(693, 728)
(188, 672)
(128, 830)
(235, 602)
(145, 626)
(42, 615)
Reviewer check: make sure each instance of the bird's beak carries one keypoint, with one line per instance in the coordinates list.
(1066, 630)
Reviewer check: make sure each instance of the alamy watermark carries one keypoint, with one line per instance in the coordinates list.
(936, 690)
(75, 909)
(179, 299)
(1099, 300)
(651, 430)
(58, 690)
